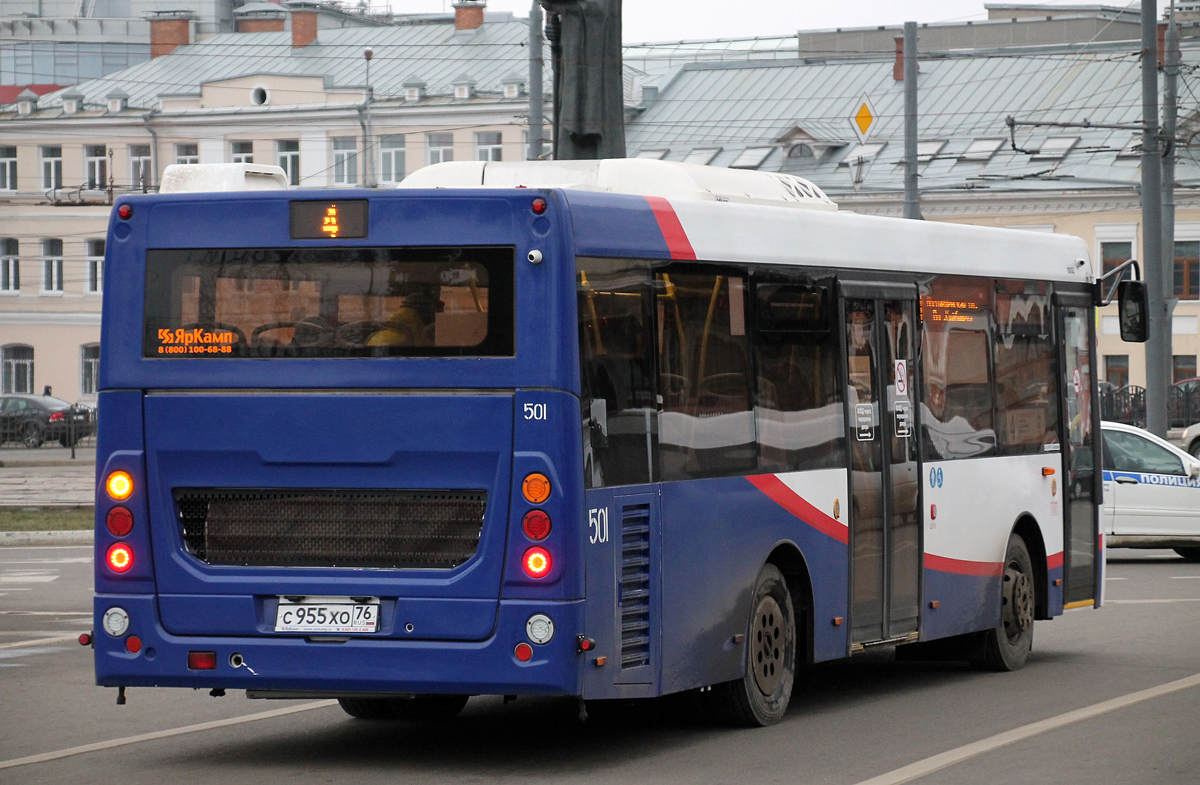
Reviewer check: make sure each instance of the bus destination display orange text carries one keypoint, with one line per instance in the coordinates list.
(196, 340)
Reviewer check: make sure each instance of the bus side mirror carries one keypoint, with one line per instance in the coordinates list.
(1133, 307)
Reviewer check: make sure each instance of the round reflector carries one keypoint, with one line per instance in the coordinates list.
(539, 205)
(537, 562)
(536, 488)
(115, 621)
(536, 525)
(524, 652)
(119, 486)
(125, 211)
(120, 557)
(133, 644)
(120, 521)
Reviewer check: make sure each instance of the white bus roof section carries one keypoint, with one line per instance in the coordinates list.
(193, 178)
(848, 241)
(640, 176)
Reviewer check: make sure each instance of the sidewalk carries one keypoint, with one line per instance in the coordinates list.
(47, 477)
(46, 455)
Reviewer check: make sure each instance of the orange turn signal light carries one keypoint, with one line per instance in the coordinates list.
(119, 486)
(1047, 471)
(536, 488)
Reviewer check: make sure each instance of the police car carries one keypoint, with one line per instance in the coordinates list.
(1151, 492)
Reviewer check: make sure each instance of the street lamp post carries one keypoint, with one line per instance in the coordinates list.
(368, 149)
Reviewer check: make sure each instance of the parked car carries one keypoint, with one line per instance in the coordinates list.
(1151, 492)
(36, 419)
(1183, 402)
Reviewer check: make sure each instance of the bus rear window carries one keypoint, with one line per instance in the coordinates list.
(329, 302)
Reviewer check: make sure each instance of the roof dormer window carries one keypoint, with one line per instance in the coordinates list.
(751, 158)
(26, 102)
(72, 101)
(414, 89)
(862, 153)
(701, 155)
(514, 86)
(117, 101)
(1055, 148)
(464, 88)
(980, 150)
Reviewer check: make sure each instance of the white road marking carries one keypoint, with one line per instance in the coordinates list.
(39, 641)
(1116, 579)
(1150, 602)
(946, 759)
(162, 734)
(27, 578)
(1185, 577)
(72, 560)
(44, 613)
(10, 548)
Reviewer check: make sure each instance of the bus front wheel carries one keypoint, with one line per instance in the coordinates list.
(1007, 647)
(761, 696)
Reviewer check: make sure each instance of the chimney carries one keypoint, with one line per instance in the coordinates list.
(304, 27)
(170, 30)
(468, 14)
(898, 66)
(257, 19)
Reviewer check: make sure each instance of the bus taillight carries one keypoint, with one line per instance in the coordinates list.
(119, 521)
(537, 562)
(536, 525)
(120, 557)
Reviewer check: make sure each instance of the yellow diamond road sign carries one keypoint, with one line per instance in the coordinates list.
(864, 118)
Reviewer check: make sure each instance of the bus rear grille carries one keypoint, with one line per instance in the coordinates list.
(635, 586)
(331, 528)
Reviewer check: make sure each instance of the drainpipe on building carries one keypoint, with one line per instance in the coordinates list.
(153, 149)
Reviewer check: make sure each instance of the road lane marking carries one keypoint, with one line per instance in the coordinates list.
(44, 613)
(1185, 577)
(162, 734)
(9, 548)
(1116, 579)
(27, 578)
(72, 560)
(40, 641)
(1150, 602)
(946, 759)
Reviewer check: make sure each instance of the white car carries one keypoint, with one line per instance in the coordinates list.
(1191, 439)
(1151, 492)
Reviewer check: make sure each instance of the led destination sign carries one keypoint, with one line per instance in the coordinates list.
(343, 219)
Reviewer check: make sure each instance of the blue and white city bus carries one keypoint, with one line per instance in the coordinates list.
(608, 429)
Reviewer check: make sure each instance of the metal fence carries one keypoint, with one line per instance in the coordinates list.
(1128, 405)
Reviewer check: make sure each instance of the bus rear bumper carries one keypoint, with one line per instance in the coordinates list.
(357, 666)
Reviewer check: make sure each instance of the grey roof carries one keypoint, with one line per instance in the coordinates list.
(431, 50)
(756, 103)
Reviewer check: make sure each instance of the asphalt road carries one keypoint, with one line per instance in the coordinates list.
(869, 719)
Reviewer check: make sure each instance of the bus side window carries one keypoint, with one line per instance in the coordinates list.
(616, 361)
(798, 410)
(956, 409)
(1026, 381)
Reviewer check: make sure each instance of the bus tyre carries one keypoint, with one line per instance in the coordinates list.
(428, 708)
(1191, 554)
(761, 696)
(367, 708)
(1007, 647)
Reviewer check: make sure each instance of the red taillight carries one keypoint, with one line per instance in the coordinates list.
(125, 211)
(119, 521)
(536, 525)
(523, 652)
(537, 562)
(133, 644)
(539, 206)
(120, 557)
(57, 417)
(202, 660)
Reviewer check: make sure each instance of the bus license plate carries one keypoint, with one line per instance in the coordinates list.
(327, 614)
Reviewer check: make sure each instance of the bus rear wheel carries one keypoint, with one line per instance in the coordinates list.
(367, 708)
(1191, 554)
(1007, 647)
(761, 696)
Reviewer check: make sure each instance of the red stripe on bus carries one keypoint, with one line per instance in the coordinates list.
(785, 497)
(1054, 560)
(963, 567)
(678, 244)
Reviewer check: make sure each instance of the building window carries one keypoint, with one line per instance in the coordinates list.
(16, 369)
(52, 265)
(547, 145)
(187, 153)
(288, 152)
(392, 150)
(489, 146)
(95, 166)
(95, 266)
(52, 167)
(10, 267)
(89, 368)
(1183, 366)
(441, 147)
(8, 168)
(1113, 254)
(242, 152)
(345, 160)
(1116, 369)
(140, 166)
(1187, 270)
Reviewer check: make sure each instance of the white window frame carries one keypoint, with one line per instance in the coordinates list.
(437, 150)
(95, 167)
(751, 157)
(391, 148)
(928, 150)
(241, 157)
(1114, 233)
(95, 266)
(489, 150)
(1055, 148)
(52, 176)
(980, 150)
(10, 266)
(289, 160)
(8, 169)
(863, 151)
(52, 267)
(547, 144)
(8, 367)
(187, 153)
(345, 160)
(702, 155)
(652, 155)
(140, 165)
(89, 370)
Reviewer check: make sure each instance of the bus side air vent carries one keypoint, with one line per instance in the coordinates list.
(634, 598)
(426, 529)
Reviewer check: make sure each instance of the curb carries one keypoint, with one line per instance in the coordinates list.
(80, 537)
(47, 462)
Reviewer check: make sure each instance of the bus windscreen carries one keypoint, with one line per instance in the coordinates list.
(329, 302)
